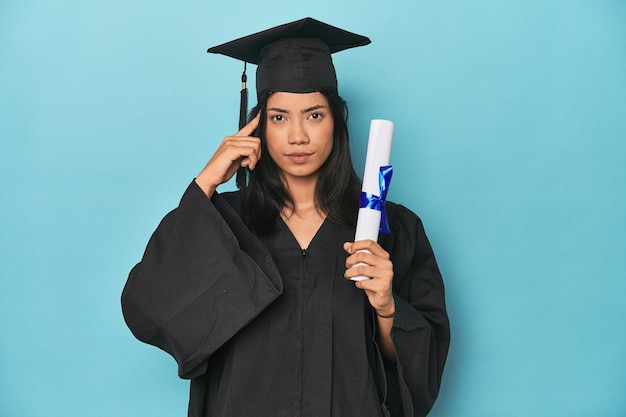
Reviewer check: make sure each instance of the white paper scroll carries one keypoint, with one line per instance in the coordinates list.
(378, 153)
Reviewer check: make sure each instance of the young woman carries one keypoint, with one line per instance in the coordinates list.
(250, 291)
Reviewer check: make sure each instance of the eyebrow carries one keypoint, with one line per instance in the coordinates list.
(308, 109)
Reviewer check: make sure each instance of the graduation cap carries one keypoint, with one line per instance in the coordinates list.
(294, 57)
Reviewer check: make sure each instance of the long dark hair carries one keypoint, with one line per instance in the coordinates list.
(338, 187)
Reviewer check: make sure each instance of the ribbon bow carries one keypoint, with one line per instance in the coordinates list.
(376, 202)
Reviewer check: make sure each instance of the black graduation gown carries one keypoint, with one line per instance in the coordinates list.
(264, 328)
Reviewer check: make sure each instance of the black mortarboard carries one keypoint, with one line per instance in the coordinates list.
(294, 57)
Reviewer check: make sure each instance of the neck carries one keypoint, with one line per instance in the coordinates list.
(302, 192)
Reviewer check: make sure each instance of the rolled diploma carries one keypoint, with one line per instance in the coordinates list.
(378, 155)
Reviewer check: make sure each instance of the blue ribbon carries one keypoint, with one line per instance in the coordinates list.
(375, 202)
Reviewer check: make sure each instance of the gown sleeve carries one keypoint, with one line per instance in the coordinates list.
(421, 330)
(202, 278)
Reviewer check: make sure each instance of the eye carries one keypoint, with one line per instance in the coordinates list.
(316, 116)
(277, 118)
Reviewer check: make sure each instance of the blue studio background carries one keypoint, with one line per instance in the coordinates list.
(510, 143)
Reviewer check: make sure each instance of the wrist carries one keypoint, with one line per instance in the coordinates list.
(206, 188)
(387, 312)
(385, 316)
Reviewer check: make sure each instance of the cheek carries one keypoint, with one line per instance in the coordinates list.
(271, 141)
(329, 138)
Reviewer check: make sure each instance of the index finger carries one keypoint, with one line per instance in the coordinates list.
(369, 245)
(248, 129)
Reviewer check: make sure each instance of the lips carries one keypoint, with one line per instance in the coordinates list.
(299, 157)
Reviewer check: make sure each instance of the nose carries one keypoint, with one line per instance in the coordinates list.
(297, 134)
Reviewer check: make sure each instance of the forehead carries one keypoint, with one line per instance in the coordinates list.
(296, 101)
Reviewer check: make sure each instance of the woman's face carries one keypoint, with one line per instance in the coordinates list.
(299, 133)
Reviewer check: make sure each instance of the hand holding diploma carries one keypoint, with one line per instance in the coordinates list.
(368, 259)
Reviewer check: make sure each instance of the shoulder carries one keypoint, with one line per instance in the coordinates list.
(399, 215)
(407, 235)
(409, 248)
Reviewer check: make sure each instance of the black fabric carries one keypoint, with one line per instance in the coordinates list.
(294, 57)
(264, 328)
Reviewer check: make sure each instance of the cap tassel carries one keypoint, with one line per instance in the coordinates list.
(242, 173)
(243, 107)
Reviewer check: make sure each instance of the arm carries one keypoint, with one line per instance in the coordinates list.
(203, 275)
(407, 294)
(421, 332)
(202, 278)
